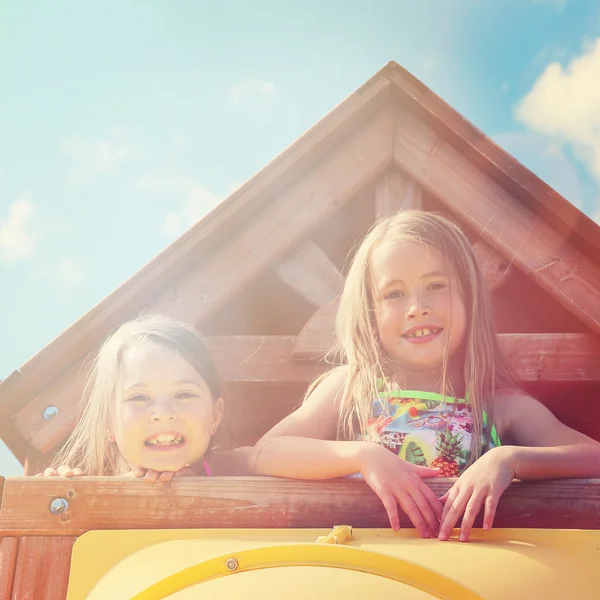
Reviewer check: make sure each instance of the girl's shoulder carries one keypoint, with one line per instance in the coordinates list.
(329, 385)
(511, 403)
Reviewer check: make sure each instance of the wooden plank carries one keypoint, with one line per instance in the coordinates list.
(248, 502)
(42, 570)
(396, 191)
(553, 357)
(130, 298)
(8, 559)
(582, 231)
(494, 267)
(28, 566)
(513, 229)
(311, 273)
(283, 224)
(317, 337)
(244, 360)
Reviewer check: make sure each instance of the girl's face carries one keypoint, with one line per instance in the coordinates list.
(164, 414)
(418, 312)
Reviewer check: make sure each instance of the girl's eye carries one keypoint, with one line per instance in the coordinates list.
(186, 395)
(393, 295)
(138, 398)
(438, 285)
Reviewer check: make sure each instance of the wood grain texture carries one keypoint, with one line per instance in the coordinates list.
(494, 267)
(118, 503)
(490, 158)
(394, 192)
(9, 547)
(42, 569)
(311, 273)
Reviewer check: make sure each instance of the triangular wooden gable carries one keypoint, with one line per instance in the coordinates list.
(260, 274)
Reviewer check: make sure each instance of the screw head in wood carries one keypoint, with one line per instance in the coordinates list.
(50, 412)
(232, 564)
(58, 506)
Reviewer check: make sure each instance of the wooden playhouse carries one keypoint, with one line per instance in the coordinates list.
(260, 276)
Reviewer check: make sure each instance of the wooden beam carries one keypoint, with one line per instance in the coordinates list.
(231, 215)
(245, 360)
(311, 273)
(494, 267)
(317, 337)
(394, 192)
(494, 160)
(42, 569)
(514, 230)
(261, 502)
(9, 547)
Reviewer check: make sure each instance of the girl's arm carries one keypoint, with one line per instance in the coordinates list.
(542, 448)
(290, 448)
(303, 446)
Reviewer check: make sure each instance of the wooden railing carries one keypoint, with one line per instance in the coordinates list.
(57, 506)
(40, 518)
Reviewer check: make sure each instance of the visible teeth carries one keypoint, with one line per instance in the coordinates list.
(165, 439)
(420, 333)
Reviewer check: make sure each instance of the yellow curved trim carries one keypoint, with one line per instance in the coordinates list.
(313, 555)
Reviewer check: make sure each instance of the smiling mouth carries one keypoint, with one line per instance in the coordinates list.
(165, 440)
(424, 333)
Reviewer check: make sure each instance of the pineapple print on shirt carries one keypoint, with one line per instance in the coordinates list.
(426, 429)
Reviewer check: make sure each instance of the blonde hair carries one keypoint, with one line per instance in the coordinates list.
(89, 447)
(484, 367)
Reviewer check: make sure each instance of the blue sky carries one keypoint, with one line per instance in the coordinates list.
(122, 123)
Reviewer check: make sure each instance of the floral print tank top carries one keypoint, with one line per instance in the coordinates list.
(427, 429)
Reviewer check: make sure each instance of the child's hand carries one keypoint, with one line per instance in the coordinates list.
(398, 482)
(482, 483)
(62, 471)
(151, 476)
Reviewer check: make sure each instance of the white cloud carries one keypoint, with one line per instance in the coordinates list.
(252, 89)
(193, 199)
(564, 103)
(65, 275)
(93, 158)
(18, 236)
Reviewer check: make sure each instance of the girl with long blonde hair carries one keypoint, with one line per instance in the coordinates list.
(424, 390)
(153, 403)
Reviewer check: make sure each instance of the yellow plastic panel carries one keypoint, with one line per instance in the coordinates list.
(510, 563)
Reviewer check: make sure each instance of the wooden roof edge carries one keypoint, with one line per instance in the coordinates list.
(499, 163)
(129, 298)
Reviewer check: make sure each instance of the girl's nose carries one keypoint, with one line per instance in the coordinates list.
(417, 309)
(163, 411)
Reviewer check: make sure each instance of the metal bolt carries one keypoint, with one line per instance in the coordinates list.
(50, 412)
(58, 506)
(232, 564)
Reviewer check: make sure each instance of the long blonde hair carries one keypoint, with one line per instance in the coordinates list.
(89, 447)
(484, 367)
